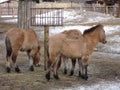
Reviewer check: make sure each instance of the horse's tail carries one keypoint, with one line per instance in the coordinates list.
(8, 46)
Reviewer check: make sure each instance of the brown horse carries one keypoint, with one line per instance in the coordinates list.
(56, 41)
(80, 48)
(22, 40)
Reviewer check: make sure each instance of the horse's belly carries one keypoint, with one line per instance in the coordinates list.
(71, 53)
(26, 47)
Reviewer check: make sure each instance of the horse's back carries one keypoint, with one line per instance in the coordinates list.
(72, 33)
(16, 37)
(21, 38)
(14, 32)
(30, 39)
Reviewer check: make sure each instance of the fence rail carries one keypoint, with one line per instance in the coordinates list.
(112, 10)
(8, 11)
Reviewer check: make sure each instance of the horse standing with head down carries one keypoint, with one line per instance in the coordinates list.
(22, 40)
(80, 48)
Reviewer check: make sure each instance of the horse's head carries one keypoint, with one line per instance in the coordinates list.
(36, 58)
(102, 35)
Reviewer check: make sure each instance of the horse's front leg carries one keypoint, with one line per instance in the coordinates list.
(81, 68)
(31, 64)
(31, 67)
(85, 69)
(85, 75)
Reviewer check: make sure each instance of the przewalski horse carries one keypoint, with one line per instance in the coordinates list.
(22, 40)
(56, 41)
(80, 48)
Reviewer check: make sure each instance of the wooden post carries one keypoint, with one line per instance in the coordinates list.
(46, 37)
(24, 13)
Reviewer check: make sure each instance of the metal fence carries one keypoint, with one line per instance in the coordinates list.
(46, 16)
(112, 10)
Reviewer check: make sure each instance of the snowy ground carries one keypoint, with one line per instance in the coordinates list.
(113, 38)
(103, 85)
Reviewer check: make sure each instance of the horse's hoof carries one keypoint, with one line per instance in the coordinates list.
(56, 77)
(8, 70)
(47, 76)
(31, 68)
(85, 77)
(65, 71)
(17, 69)
(71, 73)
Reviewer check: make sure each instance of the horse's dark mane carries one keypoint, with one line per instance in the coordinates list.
(92, 29)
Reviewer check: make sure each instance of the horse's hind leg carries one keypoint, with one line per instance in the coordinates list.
(48, 69)
(56, 67)
(8, 53)
(73, 67)
(64, 59)
(8, 63)
(14, 57)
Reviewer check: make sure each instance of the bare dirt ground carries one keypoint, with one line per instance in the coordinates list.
(102, 66)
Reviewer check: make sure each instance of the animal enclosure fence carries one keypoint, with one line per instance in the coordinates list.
(46, 16)
(112, 10)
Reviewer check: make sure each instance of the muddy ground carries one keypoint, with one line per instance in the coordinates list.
(103, 66)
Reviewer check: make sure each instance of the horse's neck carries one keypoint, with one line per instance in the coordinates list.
(91, 42)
